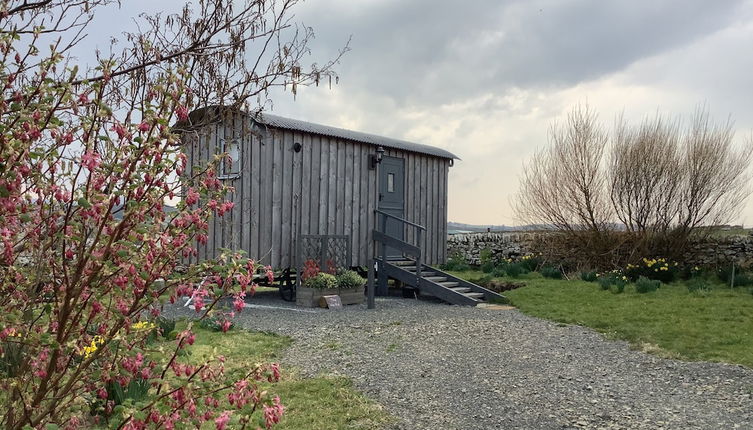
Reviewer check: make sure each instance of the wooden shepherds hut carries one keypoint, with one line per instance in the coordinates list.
(295, 180)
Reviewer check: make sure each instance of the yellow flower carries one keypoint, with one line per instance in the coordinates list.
(695, 268)
(92, 348)
(142, 325)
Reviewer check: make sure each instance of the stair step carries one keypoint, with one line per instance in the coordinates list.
(475, 295)
(437, 279)
(450, 284)
(403, 263)
(461, 290)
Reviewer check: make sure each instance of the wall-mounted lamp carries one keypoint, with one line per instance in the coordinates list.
(297, 147)
(377, 158)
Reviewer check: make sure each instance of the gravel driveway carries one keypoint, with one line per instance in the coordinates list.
(436, 366)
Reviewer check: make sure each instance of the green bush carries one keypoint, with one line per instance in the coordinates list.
(486, 256)
(13, 356)
(605, 282)
(166, 326)
(456, 263)
(656, 268)
(500, 271)
(348, 279)
(215, 323)
(551, 272)
(136, 390)
(698, 286)
(588, 276)
(645, 285)
(743, 279)
(514, 270)
(619, 286)
(488, 267)
(529, 263)
(321, 281)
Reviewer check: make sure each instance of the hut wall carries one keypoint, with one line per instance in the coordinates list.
(326, 188)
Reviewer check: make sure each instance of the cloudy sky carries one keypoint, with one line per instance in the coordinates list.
(485, 78)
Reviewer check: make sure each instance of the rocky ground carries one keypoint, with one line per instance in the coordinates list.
(435, 366)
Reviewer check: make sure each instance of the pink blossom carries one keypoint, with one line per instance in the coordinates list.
(221, 421)
(91, 160)
(272, 414)
(182, 113)
(192, 197)
(144, 126)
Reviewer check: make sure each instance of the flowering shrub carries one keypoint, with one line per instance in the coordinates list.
(321, 281)
(310, 269)
(654, 268)
(88, 159)
(348, 279)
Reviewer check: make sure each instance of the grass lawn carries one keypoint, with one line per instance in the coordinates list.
(323, 402)
(670, 322)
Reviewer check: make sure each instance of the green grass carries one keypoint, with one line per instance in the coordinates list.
(323, 402)
(671, 321)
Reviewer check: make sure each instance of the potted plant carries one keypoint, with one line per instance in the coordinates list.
(351, 286)
(314, 287)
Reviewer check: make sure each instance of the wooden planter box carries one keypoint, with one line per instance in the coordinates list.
(309, 297)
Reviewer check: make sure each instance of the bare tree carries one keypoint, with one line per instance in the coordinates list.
(563, 186)
(661, 184)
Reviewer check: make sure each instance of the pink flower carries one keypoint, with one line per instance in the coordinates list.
(182, 113)
(226, 326)
(144, 126)
(222, 420)
(91, 160)
(192, 197)
(272, 414)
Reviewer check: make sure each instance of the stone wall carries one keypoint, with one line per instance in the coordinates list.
(713, 252)
(503, 245)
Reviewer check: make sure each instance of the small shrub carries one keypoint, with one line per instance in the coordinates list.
(619, 286)
(514, 270)
(500, 271)
(588, 276)
(12, 358)
(551, 272)
(486, 256)
(166, 326)
(321, 281)
(529, 263)
(488, 267)
(655, 268)
(743, 279)
(456, 263)
(698, 286)
(217, 323)
(136, 390)
(645, 285)
(348, 279)
(605, 282)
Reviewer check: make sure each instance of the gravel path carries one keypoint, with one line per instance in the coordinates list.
(436, 366)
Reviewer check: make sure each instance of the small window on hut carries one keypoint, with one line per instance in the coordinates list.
(390, 182)
(231, 165)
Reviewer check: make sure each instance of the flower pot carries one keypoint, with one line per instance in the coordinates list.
(352, 296)
(309, 297)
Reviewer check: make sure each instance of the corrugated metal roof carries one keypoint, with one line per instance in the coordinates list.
(297, 125)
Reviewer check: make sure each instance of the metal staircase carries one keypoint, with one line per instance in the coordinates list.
(409, 269)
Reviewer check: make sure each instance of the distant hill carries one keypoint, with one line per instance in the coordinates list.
(457, 227)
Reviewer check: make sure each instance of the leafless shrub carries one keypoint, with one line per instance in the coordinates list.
(660, 184)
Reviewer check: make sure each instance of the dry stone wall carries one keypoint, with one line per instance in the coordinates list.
(713, 252)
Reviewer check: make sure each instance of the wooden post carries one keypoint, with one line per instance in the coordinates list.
(382, 279)
(419, 259)
(370, 304)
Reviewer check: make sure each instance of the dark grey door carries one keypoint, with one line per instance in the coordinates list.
(392, 197)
